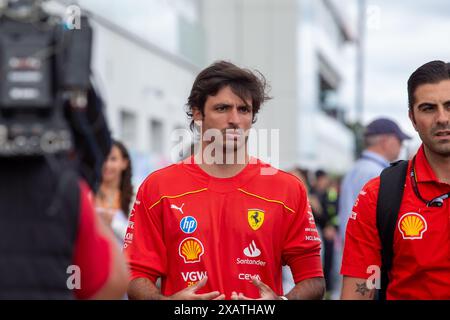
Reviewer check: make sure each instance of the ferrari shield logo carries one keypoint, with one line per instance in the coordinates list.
(255, 218)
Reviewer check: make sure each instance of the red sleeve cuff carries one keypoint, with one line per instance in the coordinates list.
(136, 275)
(306, 267)
(136, 272)
(354, 272)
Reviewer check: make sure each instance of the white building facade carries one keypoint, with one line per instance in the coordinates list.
(146, 55)
(298, 45)
(145, 74)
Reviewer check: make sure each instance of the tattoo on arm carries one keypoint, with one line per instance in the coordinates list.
(362, 288)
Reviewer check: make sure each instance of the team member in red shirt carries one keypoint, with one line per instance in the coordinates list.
(421, 245)
(101, 264)
(212, 228)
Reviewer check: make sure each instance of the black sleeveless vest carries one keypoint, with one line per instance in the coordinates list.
(39, 213)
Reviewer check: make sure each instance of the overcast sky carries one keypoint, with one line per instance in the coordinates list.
(402, 35)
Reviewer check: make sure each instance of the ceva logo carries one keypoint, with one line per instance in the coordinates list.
(248, 277)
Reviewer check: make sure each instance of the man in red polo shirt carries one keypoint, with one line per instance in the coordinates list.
(221, 224)
(421, 245)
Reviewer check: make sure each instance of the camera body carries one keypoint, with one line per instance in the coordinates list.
(48, 103)
(45, 71)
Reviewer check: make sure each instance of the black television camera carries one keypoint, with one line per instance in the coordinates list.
(48, 104)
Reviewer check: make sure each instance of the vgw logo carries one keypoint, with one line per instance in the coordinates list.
(188, 224)
(194, 275)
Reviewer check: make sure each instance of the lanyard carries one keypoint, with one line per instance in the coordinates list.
(436, 202)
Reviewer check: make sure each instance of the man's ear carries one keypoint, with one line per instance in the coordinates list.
(412, 118)
(196, 114)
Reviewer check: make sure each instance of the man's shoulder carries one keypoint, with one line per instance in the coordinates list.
(163, 173)
(277, 177)
(291, 180)
(373, 185)
(160, 175)
(169, 180)
(364, 166)
(359, 175)
(275, 184)
(367, 193)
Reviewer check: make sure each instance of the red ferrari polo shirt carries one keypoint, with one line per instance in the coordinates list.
(421, 261)
(186, 224)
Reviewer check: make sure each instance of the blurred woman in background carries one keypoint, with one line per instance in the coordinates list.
(116, 191)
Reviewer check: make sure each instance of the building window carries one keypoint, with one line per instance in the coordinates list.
(329, 83)
(156, 136)
(128, 126)
(327, 19)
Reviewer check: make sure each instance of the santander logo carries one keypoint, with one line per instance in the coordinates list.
(252, 250)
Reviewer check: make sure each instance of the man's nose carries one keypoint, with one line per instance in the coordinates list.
(443, 116)
(233, 116)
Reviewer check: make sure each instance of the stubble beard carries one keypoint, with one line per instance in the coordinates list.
(439, 147)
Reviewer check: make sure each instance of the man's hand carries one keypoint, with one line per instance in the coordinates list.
(145, 289)
(106, 215)
(189, 293)
(265, 292)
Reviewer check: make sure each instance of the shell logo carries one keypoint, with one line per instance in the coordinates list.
(412, 226)
(191, 249)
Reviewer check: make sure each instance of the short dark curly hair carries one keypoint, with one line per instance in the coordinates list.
(243, 82)
(430, 73)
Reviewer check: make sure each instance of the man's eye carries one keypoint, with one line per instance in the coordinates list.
(221, 108)
(244, 110)
(427, 108)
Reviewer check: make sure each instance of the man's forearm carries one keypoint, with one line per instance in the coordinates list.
(356, 289)
(309, 289)
(144, 289)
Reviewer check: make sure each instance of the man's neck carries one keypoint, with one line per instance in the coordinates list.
(224, 169)
(439, 164)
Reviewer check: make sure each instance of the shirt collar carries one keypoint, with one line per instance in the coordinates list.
(376, 157)
(423, 170)
(224, 185)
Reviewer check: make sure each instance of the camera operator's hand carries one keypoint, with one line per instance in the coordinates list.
(106, 215)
